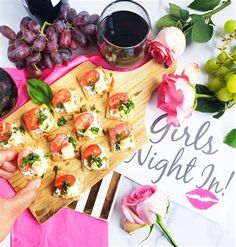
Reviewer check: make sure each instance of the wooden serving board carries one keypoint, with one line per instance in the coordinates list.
(139, 84)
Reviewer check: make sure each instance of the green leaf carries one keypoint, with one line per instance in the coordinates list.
(178, 12)
(201, 89)
(165, 21)
(39, 91)
(209, 105)
(196, 18)
(230, 138)
(201, 32)
(219, 114)
(204, 5)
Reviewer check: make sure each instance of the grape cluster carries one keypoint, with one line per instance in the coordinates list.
(37, 47)
(222, 69)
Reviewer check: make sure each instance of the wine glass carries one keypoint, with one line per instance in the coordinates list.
(8, 93)
(122, 33)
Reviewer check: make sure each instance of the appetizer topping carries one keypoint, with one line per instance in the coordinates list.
(92, 150)
(61, 121)
(61, 96)
(59, 142)
(64, 182)
(120, 105)
(45, 120)
(84, 121)
(119, 132)
(90, 78)
(5, 132)
(31, 119)
(94, 157)
(25, 160)
(21, 129)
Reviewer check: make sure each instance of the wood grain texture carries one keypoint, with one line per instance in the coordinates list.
(139, 84)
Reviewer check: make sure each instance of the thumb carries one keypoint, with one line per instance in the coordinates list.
(24, 197)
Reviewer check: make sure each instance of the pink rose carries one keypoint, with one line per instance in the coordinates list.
(176, 97)
(160, 53)
(143, 204)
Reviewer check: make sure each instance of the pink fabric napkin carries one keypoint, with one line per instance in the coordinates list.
(67, 228)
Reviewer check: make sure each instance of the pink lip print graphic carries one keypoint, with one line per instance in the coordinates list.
(201, 199)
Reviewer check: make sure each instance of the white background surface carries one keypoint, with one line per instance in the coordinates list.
(187, 227)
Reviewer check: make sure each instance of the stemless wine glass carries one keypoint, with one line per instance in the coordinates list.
(8, 93)
(122, 33)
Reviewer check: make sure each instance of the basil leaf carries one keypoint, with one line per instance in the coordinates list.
(204, 5)
(230, 138)
(201, 32)
(39, 91)
(201, 89)
(166, 21)
(178, 12)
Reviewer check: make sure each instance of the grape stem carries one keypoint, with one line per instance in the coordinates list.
(45, 24)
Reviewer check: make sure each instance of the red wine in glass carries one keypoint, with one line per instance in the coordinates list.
(122, 34)
(8, 93)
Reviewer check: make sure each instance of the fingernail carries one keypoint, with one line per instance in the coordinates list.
(36, 183)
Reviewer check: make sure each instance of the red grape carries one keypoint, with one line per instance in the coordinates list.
(74, 45)
(93, 19)
(64, 10)
(47, 61)
(51, 46)
(56, 58)
(24, 23)
(52, 34)
(79, 21)
(29, 36)
(20, 64)
(65, 38)
(80, 38)
(59, 26)
(66, 54)
(34, 58)
(34, 26)
(83, 13)
(11, 53)
(89, 29)
(19, 35)
(39, 43)
(22, 51)
(7, 32)
(71, 14)
(34, 73)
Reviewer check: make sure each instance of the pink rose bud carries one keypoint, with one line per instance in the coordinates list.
(174, 39)
(143, 204)
(176, 96)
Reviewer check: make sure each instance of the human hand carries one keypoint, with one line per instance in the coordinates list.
(11, 208)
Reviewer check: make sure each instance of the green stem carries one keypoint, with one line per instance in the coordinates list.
(214, 11)
(44, 25)
(199, 95)
(164, 229)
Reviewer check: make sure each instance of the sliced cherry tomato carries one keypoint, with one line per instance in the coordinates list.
(5, 131)
(83, 121)
(59, 142)
(61, 96)
(121, 129)
(22, 154)
(59, 181)
(117, 99)
(90, 77)
(91, 150)
(31, 119)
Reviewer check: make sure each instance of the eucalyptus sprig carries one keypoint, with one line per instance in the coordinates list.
(197, 26)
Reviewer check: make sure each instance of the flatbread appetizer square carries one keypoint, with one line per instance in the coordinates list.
(94, 157)
(96, 82)
(12, 135)
(63, 146)
(87, 125)
(68, 186)
(121, 138)
(32, 162)
(39, 121)
(66, 101)
(119, 106)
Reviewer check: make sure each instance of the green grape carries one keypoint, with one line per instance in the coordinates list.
(215, 84)
(222, 57)
(224, 95)
(231, 84)
(221, 71)
(234, 98)
(230, 26)
(212, 65)
(227, 76)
